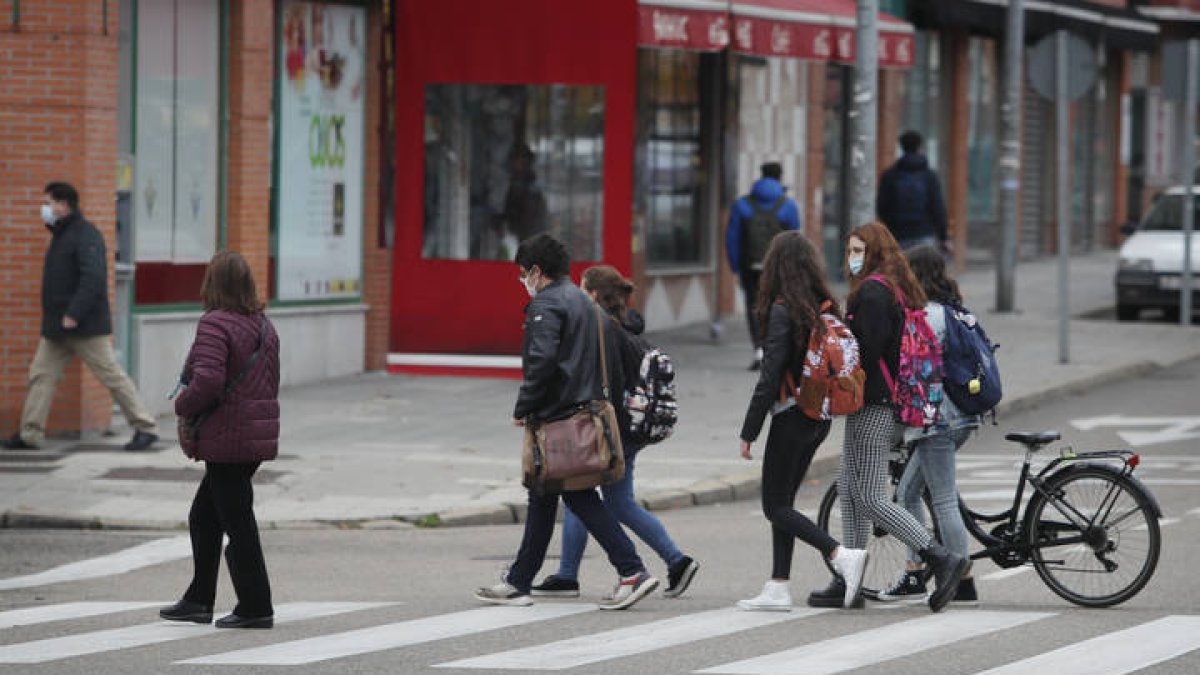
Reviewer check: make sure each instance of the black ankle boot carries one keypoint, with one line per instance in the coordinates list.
(187, 611)
(947, 569)
(833, 595)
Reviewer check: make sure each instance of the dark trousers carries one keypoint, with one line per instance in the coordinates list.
(750, 280)
(791, 443)
(539, 527)
(224, 505)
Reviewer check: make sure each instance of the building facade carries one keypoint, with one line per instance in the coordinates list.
(377, 161)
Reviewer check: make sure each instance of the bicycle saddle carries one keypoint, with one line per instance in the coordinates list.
(1032, 438)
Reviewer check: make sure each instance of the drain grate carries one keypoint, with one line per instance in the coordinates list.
(27, 468)
(109, 447)
(184, 475)
(29, 457)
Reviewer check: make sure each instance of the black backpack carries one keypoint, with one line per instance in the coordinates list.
(911, 193)
(762, 227)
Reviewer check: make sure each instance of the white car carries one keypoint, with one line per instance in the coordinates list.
(1152, 258)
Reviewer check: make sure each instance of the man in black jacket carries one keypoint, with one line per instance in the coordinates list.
(560, 360)
(76, 321)
(909, 200)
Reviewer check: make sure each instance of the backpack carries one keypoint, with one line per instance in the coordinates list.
(651, 403)
(762, 227)
(833, 375)
(970, 374)
(912, 196)
(916, 387)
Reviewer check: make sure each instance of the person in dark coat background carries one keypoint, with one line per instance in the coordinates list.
(232, 380)
(76, 321)
(909, 200)
(767, 195)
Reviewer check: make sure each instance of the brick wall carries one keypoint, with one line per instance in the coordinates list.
(251, 33)
(58, 69)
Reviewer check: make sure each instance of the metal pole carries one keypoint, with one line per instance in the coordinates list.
(1062, 188)
(863, 115)
(1189, 179)
(1010, 155)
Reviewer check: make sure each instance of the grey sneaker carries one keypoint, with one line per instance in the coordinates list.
(629, 590)
(503, 593)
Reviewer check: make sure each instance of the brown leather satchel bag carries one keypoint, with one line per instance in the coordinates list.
(579, 450)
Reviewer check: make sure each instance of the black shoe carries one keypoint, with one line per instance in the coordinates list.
(555, 586)
(948, 569)
(187, 611)
(16, 443)
(680, 575)
(909, 588)
(141, 440)
(833, 595)
(965, 595)
(235, 621)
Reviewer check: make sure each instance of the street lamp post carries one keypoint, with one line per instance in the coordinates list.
(863, 112)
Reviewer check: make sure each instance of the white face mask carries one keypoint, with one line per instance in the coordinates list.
(855, 263)
(48, 214)
(529, 284)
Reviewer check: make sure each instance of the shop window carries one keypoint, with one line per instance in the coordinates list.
(668, 186)
(922, 93)
(175, 197)
(317, 225)
(506, 162)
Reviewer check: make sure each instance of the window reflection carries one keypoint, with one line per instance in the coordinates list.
(506, 162)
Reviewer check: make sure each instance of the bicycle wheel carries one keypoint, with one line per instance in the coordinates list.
(1106, 562)
(888, 554)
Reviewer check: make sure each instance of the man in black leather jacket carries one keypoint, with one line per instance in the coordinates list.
(561, 365)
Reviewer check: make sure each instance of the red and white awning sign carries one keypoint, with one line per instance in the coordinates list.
(815, 29)
(820, 30)
(688, 24)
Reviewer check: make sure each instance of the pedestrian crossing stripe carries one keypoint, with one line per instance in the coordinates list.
(631, 640)
(30, 616)
(143, 555)
(53, 649)
(869, 647)
(392, 636)
(1123, 651)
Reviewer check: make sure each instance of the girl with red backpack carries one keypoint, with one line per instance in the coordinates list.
(880, 280)
(789, 303)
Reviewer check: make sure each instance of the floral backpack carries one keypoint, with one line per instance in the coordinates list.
(651, 404)
(916, 387)
(833, 377)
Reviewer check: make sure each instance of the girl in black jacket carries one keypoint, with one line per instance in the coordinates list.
(879, 277)
(790, 296)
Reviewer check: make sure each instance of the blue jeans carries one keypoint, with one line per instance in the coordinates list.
(539, 527)
(932, 464)
(620, 502)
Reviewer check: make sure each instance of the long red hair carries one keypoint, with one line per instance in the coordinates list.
(885, 258)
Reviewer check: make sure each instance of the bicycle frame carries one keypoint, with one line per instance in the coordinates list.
(1010, 549)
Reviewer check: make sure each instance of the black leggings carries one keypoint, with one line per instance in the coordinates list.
(791, 443)
(224, 505)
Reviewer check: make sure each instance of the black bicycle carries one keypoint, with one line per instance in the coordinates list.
(1089, 528)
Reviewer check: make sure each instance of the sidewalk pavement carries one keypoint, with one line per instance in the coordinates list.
(382, 451)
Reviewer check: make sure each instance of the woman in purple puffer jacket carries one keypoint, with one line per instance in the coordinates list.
(232, 376)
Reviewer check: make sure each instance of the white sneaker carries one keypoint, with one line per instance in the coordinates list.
(850, 563)
(775, 597)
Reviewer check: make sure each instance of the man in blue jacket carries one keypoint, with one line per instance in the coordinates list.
(753, 221)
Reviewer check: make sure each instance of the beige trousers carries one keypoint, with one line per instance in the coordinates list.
(47, 369)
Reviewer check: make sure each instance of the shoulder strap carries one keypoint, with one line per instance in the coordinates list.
(894, 289)
(779, 202)
(603, 356)
(233, 384)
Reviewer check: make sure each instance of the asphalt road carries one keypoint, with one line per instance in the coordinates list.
(406, 592)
